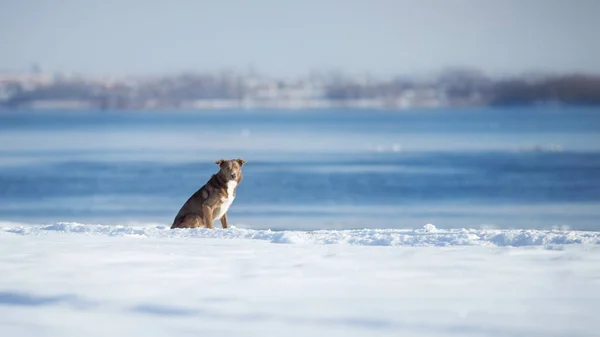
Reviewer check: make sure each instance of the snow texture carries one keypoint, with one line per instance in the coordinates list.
(429, 235)
(73, 280)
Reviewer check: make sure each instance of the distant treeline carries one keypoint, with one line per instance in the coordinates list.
(568, 90)
(575, 89)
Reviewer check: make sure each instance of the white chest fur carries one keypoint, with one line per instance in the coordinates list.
(225, 202)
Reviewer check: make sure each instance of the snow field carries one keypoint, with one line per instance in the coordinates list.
(89, 280)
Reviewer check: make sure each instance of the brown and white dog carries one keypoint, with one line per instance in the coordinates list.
(212, 200)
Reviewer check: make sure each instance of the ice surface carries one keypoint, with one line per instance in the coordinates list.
(69, 279)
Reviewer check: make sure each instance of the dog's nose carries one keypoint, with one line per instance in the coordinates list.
(233, 175)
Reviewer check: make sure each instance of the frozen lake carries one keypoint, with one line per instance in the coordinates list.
(332, 227)
(331, 169)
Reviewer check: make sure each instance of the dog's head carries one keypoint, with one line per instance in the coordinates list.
(231, 169)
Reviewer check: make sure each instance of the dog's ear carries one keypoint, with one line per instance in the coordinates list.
(240, 161)
(220, 161)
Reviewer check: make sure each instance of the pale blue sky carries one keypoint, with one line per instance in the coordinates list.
(293, 37)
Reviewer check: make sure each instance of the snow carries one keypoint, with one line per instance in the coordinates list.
(69, 279)
(429, 235)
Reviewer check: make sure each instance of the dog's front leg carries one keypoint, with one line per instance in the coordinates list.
(224, 221)
(207, 216)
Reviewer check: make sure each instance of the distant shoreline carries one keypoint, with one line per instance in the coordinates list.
(213, 105)
(237, 91)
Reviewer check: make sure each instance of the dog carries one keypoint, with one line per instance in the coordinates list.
(212, 201)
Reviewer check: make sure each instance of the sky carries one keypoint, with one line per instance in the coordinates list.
(290, 37)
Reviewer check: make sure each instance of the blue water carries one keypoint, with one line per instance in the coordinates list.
(511, 168)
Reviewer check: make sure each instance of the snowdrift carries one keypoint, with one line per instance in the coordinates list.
(429, 235)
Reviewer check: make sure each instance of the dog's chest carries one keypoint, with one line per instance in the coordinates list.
(226, 201)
